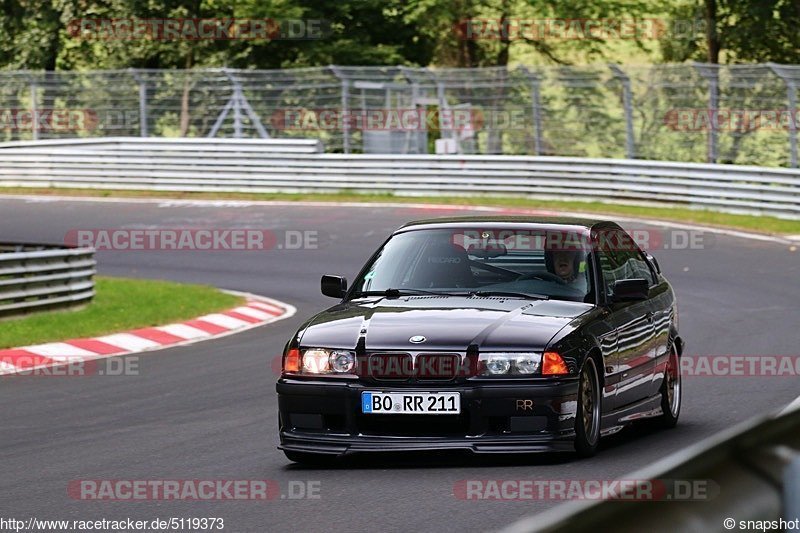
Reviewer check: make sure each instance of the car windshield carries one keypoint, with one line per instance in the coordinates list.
(536, 263)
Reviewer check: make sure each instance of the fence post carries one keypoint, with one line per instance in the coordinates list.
(791, 87)
(791, 93)
(142, 102)
(444, 110)
(34, 108)
(627, 103)
(419, 137)
(237, 112)
(536, 107)
(344, 112)
(711, 74)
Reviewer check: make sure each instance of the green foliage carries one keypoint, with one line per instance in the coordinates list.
(36, 34)
(747, 31)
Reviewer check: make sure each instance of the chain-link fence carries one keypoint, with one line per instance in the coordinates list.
(745, 114)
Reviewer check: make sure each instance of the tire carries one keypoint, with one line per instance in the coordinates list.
(310, 459)
(671, 388)
(587, 417)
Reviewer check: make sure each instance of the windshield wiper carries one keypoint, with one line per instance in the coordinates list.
(394, 293)
(511, 294)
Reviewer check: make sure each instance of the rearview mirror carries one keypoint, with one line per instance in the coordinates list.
(488, 250)
(627, 290)
(334, 286)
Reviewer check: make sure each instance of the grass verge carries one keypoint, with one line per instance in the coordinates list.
(759, 224)
(120, 304)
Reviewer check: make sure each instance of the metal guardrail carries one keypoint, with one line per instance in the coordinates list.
(136, 144)
(37, 277)
(755, 465)
(231, 165)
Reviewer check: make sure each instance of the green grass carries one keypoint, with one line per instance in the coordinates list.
(120, 304)
(759, 224)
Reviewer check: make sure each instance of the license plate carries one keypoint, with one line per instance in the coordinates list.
(411, 403)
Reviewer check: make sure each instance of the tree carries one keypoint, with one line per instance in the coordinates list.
(736, 31)
(470, 33)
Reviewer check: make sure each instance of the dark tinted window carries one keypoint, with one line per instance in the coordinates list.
(620, 258)
(548, 262)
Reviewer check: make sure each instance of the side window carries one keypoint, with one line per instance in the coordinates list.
(620, 258)
(642, 268)
(613, 266)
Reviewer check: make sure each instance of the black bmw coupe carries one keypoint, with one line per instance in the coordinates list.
(501, 334)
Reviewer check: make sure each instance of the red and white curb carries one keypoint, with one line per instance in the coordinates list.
(256, 311)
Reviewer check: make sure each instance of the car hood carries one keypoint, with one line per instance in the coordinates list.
(447, 323)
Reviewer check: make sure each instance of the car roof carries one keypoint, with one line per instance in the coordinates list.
(573, 222)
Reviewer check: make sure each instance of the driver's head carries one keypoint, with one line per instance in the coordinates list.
(562, 264)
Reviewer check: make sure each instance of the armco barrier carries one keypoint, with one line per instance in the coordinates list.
(234, 165)
(756, 467)
(34, 277)
(179, 144)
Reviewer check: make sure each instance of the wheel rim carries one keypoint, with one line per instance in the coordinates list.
(590, 404)
(673, 378)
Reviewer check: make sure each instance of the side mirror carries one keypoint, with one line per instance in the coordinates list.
(629, 290)
(334, 286)
(654, 262)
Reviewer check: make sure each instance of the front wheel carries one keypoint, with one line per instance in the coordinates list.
(671, 392)
(587, 418)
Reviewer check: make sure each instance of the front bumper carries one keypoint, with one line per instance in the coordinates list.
(320, 416)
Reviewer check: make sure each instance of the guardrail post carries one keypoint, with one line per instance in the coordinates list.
(791, 93)
(627, 103)
(142, 102)
(791, 490)
(711, 74)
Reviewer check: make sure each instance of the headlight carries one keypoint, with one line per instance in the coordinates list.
(508, 363)
(343, 362)
(316, 361)
(320, 361)
(527, 363)
(498, 364)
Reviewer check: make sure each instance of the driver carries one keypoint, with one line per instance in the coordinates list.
(568, 265)
(564, 265)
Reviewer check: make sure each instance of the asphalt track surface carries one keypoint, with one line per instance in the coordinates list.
(208, 411)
